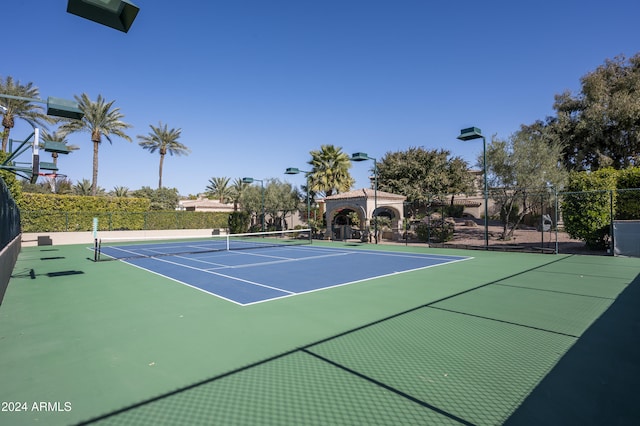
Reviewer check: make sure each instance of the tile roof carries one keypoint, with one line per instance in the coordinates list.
(365, 193)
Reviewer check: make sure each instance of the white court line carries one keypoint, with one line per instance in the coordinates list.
(388, 253)
(249, 265)
(357, 281)
(334, 252)
(221, 275)
(285, 260)
(187, 284)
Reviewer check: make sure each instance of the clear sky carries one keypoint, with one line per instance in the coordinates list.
(257, 84)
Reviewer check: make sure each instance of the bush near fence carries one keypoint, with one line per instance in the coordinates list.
(71, 213)
(594, 200)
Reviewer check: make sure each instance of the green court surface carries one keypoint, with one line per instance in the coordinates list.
(515, 338)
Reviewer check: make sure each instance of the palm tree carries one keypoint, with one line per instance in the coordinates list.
(120, 192)
(99, 120)
(164, 141)
(84, 187)
(330, 170)
(219, 187)
(13, 108)
(235, 192)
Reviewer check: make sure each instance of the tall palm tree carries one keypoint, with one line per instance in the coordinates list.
(219, 187)
(13, 108)
(165, 142)
(100, 119)
(330, 170)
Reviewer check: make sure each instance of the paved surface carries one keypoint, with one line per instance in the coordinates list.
(503, 337)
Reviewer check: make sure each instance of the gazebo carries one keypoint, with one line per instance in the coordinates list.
(362, 203)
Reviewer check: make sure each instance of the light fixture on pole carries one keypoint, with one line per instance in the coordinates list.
(362, 156)
(295, 171)
(251, 180)
(468, 134)
(117, 14)
(55, 107)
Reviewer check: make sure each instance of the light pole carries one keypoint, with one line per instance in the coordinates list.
(362, 156)
(467, 135)
(295, 171)
(251, 180)
(55, 107)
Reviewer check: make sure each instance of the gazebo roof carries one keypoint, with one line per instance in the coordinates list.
(365, 193)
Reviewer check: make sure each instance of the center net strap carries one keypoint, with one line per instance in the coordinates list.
(141, 247)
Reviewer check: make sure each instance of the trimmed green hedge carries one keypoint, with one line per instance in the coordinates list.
(65, 213)
(593, 196)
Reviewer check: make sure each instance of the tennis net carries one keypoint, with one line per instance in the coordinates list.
(123, 248)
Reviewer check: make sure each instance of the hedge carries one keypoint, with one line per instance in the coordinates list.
(593, 196)
(64, 213)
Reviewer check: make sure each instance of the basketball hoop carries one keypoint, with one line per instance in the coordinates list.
(53, 175)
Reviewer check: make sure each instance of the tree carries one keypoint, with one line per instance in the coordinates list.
(330, 170)
(99, 120)
(520, 167)
(219, 188)
(420, 174)
(84, 187)
(25, 110)
(235, 192)
(280, 199)
(586, 207)
(164, 141)
(600, 126)
(161, 198)
(120, 192)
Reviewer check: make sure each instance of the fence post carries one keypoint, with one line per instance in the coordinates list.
(555, 194)
(612, 245)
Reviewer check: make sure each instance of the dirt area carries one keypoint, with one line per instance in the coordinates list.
(470, 234)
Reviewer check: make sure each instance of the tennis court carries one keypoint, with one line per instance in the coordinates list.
(426, 336)
(258, 270)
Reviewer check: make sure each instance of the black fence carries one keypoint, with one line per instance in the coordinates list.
(9, 216)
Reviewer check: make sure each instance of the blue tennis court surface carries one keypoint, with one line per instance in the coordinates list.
(251, 276)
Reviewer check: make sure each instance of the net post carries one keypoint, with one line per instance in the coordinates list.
(96, 250)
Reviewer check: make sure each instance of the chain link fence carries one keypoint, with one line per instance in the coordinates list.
(9, 231)
(9, 216)
(523, 219)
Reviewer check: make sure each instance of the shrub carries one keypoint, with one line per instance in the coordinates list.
(238, 222)
(586, 208)
(438, 230)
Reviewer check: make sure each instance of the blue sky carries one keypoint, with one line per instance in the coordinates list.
(257, 84)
